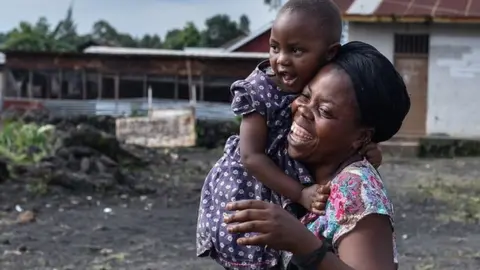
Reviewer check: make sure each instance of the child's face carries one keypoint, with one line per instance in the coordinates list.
(297, 50)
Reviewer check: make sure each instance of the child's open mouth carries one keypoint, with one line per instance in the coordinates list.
(287, 79)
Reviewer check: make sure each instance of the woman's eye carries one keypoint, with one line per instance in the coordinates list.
(304, 96)
(324, 112)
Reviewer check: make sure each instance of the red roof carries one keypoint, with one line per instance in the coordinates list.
(411, 8)
(416, 11)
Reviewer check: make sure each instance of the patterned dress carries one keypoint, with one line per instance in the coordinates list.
(357, 191)
(229, 181)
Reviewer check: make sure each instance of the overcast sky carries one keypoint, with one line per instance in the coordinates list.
(136, 17)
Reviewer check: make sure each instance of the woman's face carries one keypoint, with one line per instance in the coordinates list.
(325, 119)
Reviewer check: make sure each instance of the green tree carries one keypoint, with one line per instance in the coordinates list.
(221, 29)
(64, 36)
(274, 4)
(150, 41)
(177, 39)
(244, 24)
(3, 37)
(40, 37)
(37, 37)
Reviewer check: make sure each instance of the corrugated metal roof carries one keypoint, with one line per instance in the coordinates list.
(144, 51)
(411, 8)
(352, 10)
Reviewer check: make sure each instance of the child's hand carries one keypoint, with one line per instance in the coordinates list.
(373, 154)
(320, 199)
(314, 198)
(308, 196)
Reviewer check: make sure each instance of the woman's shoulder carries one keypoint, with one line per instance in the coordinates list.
(360, 186)
(359, 172)
(356, 192)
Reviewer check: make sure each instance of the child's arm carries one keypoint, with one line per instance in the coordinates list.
(253, 139)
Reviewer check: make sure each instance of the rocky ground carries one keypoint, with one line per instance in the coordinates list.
(87, 206)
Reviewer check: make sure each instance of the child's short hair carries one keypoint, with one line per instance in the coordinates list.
(325, 12)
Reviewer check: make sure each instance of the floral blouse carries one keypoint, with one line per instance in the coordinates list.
(357, 191)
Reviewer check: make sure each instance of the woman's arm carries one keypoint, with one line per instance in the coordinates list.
(253, 140)
(367, 246)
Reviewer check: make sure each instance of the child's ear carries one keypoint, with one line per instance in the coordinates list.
(333, 50)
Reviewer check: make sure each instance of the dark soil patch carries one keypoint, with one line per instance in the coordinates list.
(437, 214)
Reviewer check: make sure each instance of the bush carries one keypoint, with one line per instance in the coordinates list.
(25, 143)
(214, 133)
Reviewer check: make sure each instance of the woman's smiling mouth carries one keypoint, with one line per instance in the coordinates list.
(299, 135)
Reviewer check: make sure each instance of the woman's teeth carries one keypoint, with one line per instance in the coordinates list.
(300, 134)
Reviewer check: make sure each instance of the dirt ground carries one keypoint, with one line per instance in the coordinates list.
(437, 219)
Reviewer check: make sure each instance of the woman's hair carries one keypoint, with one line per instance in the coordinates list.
(381, 94)
(325, 14)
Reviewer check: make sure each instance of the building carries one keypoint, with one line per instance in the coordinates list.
(435, 45)
(114, 80)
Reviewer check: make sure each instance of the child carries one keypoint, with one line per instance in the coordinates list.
(305, 36)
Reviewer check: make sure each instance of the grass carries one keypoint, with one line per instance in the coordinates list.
(460, 198)
(24, 143)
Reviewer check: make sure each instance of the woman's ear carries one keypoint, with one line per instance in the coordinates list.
(364, 138)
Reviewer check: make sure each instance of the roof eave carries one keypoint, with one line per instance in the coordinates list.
(410, 19)
(250, 37)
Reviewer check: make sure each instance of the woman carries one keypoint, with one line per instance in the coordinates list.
(357, 99)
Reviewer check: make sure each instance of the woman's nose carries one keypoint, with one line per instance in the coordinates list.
(306, 112)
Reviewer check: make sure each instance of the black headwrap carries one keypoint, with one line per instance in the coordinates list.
(381, 94)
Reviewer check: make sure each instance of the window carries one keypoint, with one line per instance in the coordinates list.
(411, 44)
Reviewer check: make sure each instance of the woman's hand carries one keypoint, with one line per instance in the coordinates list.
(273, 225)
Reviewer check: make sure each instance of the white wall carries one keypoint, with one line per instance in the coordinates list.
(454, 81)
(454, 72)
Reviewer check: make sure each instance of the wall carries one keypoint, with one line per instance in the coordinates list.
(454, 83)
(259, 44)
(162, 128)
(454, 71)
(381, 36)
(123, 107)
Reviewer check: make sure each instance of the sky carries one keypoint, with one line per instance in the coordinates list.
(136, 17)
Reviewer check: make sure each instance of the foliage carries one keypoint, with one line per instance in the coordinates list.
(214, 133)
(63, 37)
(25, 143)
(274, 4)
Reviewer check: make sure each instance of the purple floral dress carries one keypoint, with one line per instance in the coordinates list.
(229, 181)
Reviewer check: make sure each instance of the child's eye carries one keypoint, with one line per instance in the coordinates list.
(297, 51)
(274, 48)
